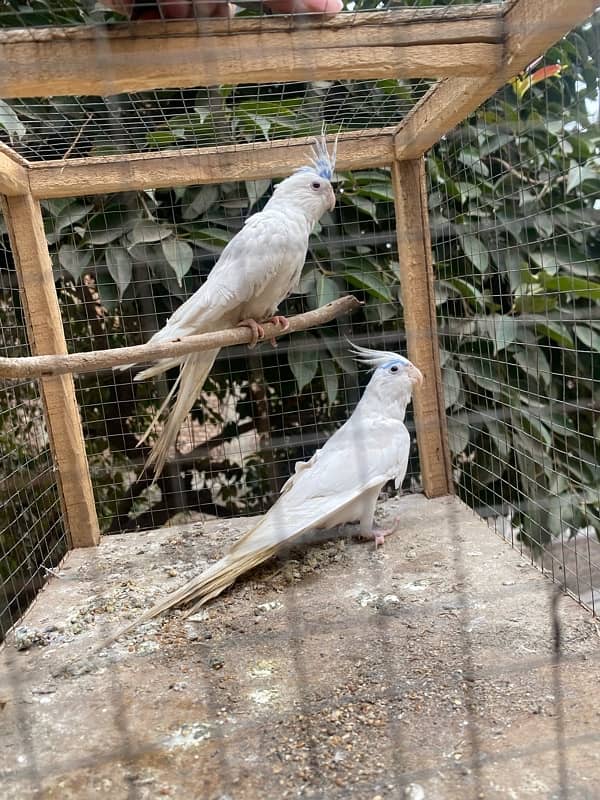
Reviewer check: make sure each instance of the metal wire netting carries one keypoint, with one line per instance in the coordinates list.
(516, 236)
(127, 261)
(76, 127)
(32, 536)
(40, 13)
(56, 128)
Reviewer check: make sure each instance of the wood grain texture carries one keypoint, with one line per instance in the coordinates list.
(45, 331)
(150, 55)
(356, 150)
(45, 365)
(13, 176)
(530, 28)
(418, 301)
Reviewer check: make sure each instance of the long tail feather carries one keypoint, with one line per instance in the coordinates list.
(158, 414)
(157, 369)
(194, 372)
(201, 589)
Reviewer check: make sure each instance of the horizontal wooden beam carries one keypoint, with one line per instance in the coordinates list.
(74, 177)
(46, 366)
(13, 175)
(411, 43)
(530, 28)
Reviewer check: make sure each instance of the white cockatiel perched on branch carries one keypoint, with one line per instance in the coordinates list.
(258, 268)
(340, 484)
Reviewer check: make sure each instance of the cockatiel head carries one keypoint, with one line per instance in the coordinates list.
(309, 188)
(393, 378)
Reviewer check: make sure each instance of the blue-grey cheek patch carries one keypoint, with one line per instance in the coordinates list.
(402, 361)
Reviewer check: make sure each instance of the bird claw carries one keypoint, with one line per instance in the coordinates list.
(258, 332)
(379, 534)
(280, 321)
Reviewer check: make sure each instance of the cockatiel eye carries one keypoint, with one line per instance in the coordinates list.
(316, 185)
(393, 369)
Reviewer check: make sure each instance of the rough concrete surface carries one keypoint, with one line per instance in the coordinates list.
(425, 669)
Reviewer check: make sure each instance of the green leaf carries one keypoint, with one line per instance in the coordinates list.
(472, 158)
(458, 432)
(499, 435)
(534, 426)
(475, 250)
(588, 336)
(555, 331)
(533, 362)
(371, 282)
(339, 352)
(326, 290)
(179, 255)
(74, 260)
(452, 387)
(146, 231)
(161, 138)
(203, 200)
(480, 371)
(11, 122)
(502, 331)
(464, 289)
(494, 143)
(210, 238)
(364, 205)
(256, 189)
(66, 218)
(303, 358)
(330, 379)
(572, 284)
(578, 174)
(120, 266)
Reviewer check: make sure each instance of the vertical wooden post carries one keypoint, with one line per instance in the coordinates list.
(23, 217)
(418, 300)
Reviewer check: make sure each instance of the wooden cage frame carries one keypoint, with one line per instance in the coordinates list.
(472, 51)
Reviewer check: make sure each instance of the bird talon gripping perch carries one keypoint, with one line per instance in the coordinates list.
(258, 332)
(281, 322)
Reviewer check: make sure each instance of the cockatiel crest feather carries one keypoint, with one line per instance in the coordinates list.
(322, 161)
(376, 358)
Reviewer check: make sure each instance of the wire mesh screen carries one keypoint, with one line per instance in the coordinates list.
(126, 262)
(39, 13)
(32, 537)
(516, 227)
(72, 127)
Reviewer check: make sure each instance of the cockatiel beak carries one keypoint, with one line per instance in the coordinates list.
(415, 375)
(332, 198)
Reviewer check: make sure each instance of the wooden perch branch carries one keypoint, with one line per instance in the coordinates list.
(45, 366)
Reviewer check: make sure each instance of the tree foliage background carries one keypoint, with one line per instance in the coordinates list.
(516, 242)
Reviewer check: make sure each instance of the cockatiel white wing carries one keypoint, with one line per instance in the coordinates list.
(355, 460)
(246, 266)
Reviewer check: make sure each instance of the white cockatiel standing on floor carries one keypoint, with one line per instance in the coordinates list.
(340, 484)
(258, 268)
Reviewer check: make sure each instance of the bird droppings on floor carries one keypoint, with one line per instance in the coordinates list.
(424, 669)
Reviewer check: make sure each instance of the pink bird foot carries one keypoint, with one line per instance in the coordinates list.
(379, 534)
(258, 332)
(281, 322)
